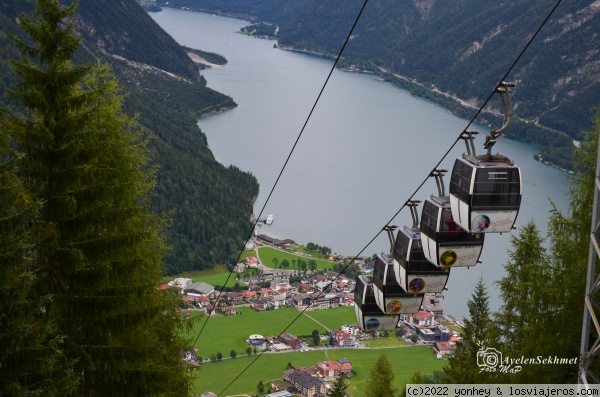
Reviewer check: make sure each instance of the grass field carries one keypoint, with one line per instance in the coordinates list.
(217, 376)
(268, 253)
(215, 276)
(404, 360)
(223, 333)
(333, 319)
(390, 341)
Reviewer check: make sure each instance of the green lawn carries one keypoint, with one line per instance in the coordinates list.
(301, 248)
(334, 319)
(218, 279)
(223, 333)
(453, 327)
(404, 360)
(215, 276)
(384, 342)
(267, 254)
(246, 254)
(217, 376)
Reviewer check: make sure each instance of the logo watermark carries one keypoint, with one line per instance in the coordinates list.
(492, 360)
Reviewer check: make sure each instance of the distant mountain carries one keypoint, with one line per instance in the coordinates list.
(279, 11)
(210, 205)
(463, 48)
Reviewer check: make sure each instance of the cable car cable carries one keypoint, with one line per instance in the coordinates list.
(337, 59)
(416, 190)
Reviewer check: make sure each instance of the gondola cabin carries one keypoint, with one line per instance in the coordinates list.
(414, 272)
(485, 193)
(369, 315)
(389, 295)
(445, 244)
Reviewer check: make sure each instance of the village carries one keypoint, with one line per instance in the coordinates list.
(268, 289)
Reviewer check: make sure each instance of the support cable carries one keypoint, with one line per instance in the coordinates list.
(337, 59)
(412, 195)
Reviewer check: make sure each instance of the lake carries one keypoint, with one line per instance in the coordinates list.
(365, 150)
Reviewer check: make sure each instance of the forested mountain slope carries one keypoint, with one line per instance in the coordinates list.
(209, 204)
(463, 48)
(279, 11)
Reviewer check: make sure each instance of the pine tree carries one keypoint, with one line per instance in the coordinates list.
(527, 308)
(479, 333)
(569, 236)
(31, 360)
(339, 387)
(523, 288)
(381, 380)
(97, 251)
(417, 378)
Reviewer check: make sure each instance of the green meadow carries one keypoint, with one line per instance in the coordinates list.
(267, 254)
(242, 374)
(334, 318)
(215, 276)
(389, 341)
(224, 333)
(404, 360)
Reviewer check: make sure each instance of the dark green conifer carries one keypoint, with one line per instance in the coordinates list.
(31, 358)
(478, 334)
(339, 387)
(97, 249)
(381, 380)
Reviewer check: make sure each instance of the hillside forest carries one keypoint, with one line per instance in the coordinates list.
(209, 206)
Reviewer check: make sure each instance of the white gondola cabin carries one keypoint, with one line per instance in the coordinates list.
(485, 193)
(485, 190)
(445, 244)
(414, 272)
(368, 314)
(389, 295)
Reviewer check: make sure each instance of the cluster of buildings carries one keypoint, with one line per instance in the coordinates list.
(426, 324)
(314, 293)
(345, 337)
(309, 381)
(318, 292)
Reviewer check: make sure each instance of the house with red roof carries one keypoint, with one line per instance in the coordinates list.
(251, 261)
(202, 300)
(289, 340)
(254, 288)
(342, 339)
(345, 367)
(235, 296)
(328, 369)
(229, 310)
(443, 347)
(306, 288)
(420, 319)
(266, 292)
(285, 291)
